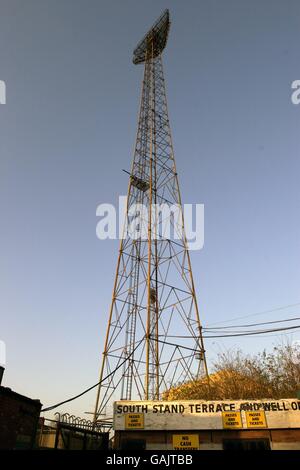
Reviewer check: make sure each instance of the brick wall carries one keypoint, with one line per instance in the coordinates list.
(18, 420)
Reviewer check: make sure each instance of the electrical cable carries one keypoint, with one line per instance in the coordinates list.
(251, 324)
(50, 408)
(258, 313)
(254, 333)
(251, 333)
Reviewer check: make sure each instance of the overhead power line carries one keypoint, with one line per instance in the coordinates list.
(242, 333)
(230, 335)
(251, 324)
(251, 333)
(50, 408)
(258, 313)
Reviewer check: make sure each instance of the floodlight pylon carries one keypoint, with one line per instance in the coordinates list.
(154, 336)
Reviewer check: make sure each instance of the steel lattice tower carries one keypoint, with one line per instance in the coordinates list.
(154, 337)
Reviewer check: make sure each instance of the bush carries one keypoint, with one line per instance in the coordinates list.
(239, 376)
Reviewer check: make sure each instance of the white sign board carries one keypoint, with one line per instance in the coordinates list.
(185, 415)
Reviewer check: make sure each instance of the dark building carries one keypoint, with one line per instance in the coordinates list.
(19, 417)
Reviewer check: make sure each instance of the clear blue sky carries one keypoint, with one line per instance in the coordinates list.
(68, 129)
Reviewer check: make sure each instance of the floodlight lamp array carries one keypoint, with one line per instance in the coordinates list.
(154, 42)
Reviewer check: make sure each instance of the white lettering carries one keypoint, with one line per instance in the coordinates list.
(295, 98)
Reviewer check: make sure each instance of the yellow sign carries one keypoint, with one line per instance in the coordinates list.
(256, 419)
(185, 442)
(232, 419)
(134, 421)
